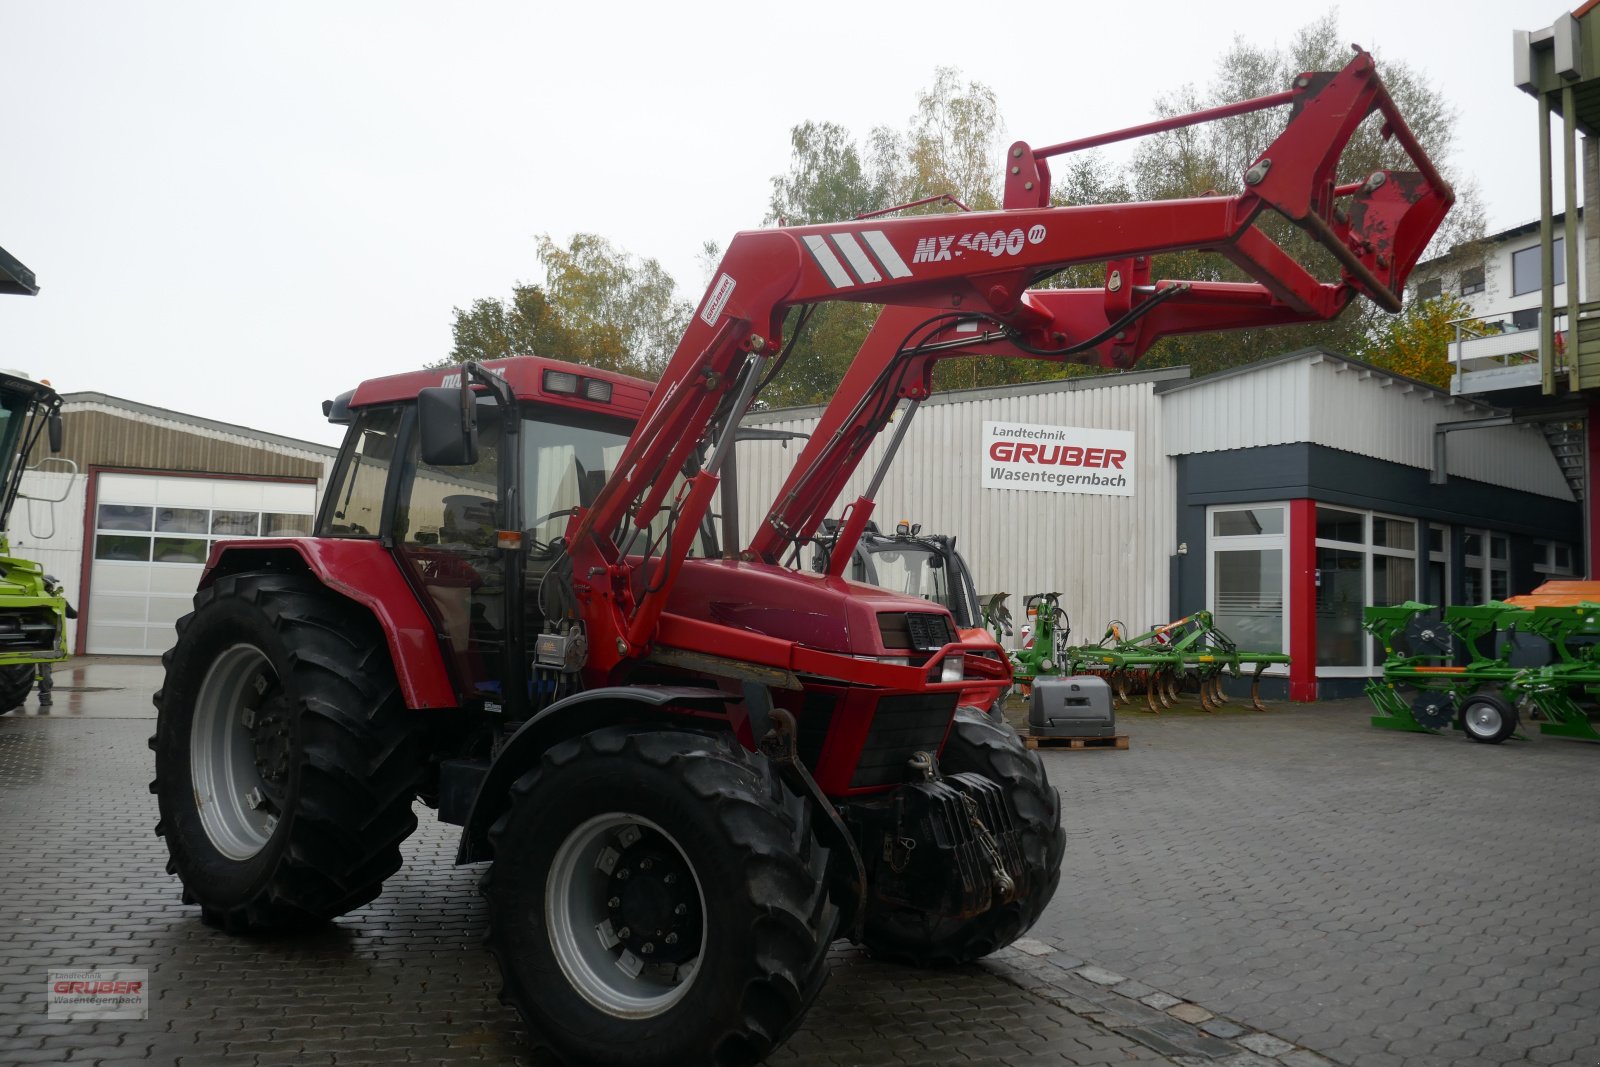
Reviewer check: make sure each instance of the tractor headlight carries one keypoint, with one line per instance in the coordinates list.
(953, 669)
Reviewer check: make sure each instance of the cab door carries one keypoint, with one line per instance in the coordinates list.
(446, 526)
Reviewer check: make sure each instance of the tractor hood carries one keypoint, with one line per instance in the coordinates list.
(815, 610)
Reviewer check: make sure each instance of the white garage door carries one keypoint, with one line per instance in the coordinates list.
(152, 534)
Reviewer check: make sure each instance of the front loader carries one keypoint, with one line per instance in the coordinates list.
(690, 763)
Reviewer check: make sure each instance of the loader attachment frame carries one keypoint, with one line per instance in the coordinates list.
(961, 285)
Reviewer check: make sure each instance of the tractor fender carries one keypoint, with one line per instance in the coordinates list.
(570, 717)
(365, 572)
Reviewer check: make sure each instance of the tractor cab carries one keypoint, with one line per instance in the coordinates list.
(474, 500)
(925, 566)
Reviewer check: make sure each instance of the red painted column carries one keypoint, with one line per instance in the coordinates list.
(1303, 600)
(1591, 499)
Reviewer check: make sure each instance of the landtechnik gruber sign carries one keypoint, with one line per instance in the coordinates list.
(1057, 459)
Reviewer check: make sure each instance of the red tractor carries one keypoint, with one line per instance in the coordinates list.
(692, 764)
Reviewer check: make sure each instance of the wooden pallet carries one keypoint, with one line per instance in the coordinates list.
(1115, 741)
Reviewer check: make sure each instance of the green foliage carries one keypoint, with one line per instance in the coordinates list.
(953, 144)
(599, 306)
(950, 145)
(1416, 342)
(621, 308)
(495, 329)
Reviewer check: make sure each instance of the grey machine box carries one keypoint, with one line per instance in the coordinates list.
(1079, 706)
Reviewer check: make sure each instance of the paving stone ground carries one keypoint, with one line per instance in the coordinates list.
(1386, 899)
(404, 980)
(1303, 879)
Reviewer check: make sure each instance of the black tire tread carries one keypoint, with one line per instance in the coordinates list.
(360, 761)
(979, 745)
(1509, 720)
(785, 876)
(16, 682)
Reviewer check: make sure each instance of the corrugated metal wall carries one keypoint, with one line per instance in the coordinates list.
(1107, 555)
(100, 436)
(1333, 402)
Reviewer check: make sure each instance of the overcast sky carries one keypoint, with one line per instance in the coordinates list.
(238, 210)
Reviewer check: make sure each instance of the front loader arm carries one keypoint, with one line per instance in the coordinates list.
(960, 285)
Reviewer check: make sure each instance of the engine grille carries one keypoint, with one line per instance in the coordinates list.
(921, 631)
(902, 726)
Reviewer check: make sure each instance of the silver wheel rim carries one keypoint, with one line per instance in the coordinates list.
(1484, 719)
(229, 791)
(598, 963)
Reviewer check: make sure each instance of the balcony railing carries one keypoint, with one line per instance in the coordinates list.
(1491, 353)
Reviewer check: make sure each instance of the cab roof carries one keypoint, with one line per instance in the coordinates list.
(526, 376)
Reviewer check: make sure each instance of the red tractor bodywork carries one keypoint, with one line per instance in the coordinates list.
(693, 763)
(953, 285)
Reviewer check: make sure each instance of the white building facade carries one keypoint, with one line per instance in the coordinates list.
(1284, 497)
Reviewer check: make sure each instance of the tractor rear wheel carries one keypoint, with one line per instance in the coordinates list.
(980, 746)
(16, 683)
(285, 761)
(658, 898)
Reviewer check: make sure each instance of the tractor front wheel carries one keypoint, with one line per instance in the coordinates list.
(285, 761)
(658, 898)
(980, 746)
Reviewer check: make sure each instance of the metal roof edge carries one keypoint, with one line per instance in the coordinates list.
(1521, 229)
(1321, 354)
(182, 418)
(1260, 364)
(1157, 376)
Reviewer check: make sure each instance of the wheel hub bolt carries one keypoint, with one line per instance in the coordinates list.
(623, 874)
(672, 939)
(681, 909)
(646, 949)
(646, 864)
(671, 879)
(624, 933)
(614, 902)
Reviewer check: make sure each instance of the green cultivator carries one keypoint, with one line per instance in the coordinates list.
(1160, 660)
(1540, 656)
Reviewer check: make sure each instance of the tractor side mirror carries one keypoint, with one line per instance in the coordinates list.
(448, 422)
(57, 434)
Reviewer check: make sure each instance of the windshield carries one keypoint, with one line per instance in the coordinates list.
(13, 413)
(909, 569)
(565, 463)
(919, 569)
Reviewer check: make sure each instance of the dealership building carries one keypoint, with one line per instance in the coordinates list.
(126, 513)
(1283, 496)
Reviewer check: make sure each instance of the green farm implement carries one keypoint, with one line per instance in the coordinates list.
(997, 617)
(1050, 629)
(1473, 667)
(1160, 660)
